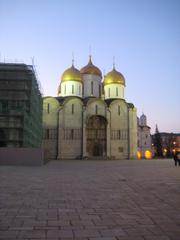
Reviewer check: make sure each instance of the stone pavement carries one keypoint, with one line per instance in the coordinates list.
(91, 200)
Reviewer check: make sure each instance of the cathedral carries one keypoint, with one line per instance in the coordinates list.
(90, 118)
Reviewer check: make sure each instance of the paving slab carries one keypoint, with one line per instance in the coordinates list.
(91, 200)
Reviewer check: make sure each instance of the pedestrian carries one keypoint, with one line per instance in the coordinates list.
(177, 158)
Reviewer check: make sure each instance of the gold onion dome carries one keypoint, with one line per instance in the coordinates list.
(91, 69)
(71, 74)
(114, 77)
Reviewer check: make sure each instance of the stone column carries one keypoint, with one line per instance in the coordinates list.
(108, 133)
(84, 137)
(60, 133)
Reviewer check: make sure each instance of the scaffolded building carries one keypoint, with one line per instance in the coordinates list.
(20, 106)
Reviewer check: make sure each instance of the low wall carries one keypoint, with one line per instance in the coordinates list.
(21, 156)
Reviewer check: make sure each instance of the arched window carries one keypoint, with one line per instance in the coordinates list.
(72, 89)
(116, 91)
(72, 133)
(109, 92)
(48, 108)
(79, 90)
(91, 88)
(65, 89)
(96, 109)
(119, 110)
(72, 108)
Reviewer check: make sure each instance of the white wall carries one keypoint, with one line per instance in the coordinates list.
(70, 118)
(119, 123)
(50, 121)
(87, 80)
(114, 91)
(71, 88)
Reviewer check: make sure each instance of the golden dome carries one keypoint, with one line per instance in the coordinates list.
(114, 77)
(91, 69)
(71, 74)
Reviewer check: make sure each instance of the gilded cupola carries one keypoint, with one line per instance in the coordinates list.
(91, 69)
(114, 77)
(71, 74)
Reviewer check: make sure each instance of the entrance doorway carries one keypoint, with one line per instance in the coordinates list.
(96, 136)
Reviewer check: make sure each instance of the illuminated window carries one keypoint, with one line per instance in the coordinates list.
(92, 88)
(119, 110)
(148, 154)
(139, 155)
(72, 108)
(116, 92)
(72, 89)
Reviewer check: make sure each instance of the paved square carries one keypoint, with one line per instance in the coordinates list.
(91, 200)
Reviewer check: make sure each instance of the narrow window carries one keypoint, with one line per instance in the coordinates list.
(119, 134)
(72, 89)
(65, 89)
(72, 108)
(47, 136)
(119, 110)
(99, 90)
(91, 88)
(48, 108)
(79, 90)
(116, 92)
(109, 92)
(72, 133)
(96, 109)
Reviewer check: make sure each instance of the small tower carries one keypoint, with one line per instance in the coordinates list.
(143, 120)
(144, 138)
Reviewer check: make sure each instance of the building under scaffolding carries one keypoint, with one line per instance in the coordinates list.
(20, 106)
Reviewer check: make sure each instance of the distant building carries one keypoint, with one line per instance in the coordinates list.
(144, 138)
(20, 106)
(170, 143)
(90, 117)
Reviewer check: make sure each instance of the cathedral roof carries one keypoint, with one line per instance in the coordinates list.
(71, 74)
(91, 69)
(130, 105)
(114, 77)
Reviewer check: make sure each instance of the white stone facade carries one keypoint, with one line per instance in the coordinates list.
(89, 125)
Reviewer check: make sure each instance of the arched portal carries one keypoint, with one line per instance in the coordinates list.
(96, 136)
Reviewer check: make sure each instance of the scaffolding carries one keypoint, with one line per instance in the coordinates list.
(20, 106)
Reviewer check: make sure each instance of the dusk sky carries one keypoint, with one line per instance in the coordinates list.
(143, 35)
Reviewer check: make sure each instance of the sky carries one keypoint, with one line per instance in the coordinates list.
(142, 35)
